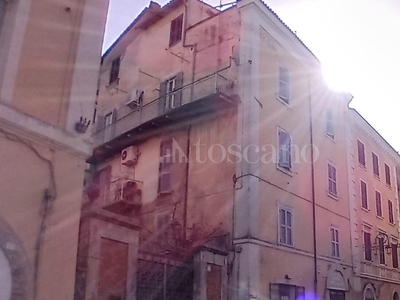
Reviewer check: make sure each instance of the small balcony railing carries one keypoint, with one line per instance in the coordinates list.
(207, 94)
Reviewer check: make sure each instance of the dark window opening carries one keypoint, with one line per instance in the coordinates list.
(114, 73)
(175, 34)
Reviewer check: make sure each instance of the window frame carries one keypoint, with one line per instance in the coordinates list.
(371, 288)
(330, 135)
(380, 241)
(388, 171)
(162, 173)
(280, 165)
(366, 195)
(287, 210)
(175, 33)
(374, 155)
(367, 230)
(376, 204)
(394, 243)
(114, 71)
(332, 165)
(335, 242)
(364, 165)
(391, 220)
(284, 99)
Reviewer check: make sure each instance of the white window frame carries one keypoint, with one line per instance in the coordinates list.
(373, 166)
(170, 93)
(335, 181)
(335, 242)
(330, 123)
(285, 100)
(366, 193)
(290, 210)
(283, 167)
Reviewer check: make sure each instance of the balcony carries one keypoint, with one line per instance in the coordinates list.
(207, 95)
(121, 196)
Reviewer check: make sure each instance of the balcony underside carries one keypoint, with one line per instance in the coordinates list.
(179, 117)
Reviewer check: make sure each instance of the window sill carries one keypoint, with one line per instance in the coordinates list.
(112, 84)
(285, 245)
(174, 43)
(284, 170)
(335, 257)
(287, 104)
(380, 217)
(333, 196)
(366, 209)
(332, 139)
(388, 186)
(362, 166)
(392, 224)
(377, 177)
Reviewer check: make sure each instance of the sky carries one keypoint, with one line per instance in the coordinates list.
(357, 42)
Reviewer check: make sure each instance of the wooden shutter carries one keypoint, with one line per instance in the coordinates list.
(391, 217)
(114, 121)
(364, 198)
(395, 257)
(285, 155)
(361, 153)
(375, 164)
(378, 200)
(178, 94)
(162, 98)
(387, 175)
(367, 246)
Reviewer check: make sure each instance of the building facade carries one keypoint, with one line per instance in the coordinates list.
(222, 165)
(44, 113)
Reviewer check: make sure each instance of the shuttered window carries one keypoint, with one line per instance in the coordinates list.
(395, 256)
(285, 150)
(175, 34)
(335, 252)
(170, 94)
(387, 175)
(364, 197)
(285, 226)
(391, 215)
(375, 164)
(381, 248)
(367, 246)
(114, 73)
(361, 153)
(164, 179)
(378, 200)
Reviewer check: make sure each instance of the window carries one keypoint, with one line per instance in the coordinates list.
(375, 164)
(367, 246)
(164, 178)
(287, 292)
(283, 84)
(396, 296)
(285, 226)
(335, 242)
(378, 200)
(330, 126)
(361, 153)
(332, 185)
(390, 208)
(108, 121)
(285, 150)
(381, 248)
(336, 295)
(387, 175)
(395, 257)
(364, 197)
(171, 93)
(114, 73)
(175, 34)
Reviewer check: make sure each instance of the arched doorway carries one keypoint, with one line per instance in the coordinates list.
(396, 296)
(5, 277)
(369, 293)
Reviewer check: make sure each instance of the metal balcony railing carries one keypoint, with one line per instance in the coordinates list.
(210, 89)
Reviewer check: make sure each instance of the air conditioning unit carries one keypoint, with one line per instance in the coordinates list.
(134, 98)
(129, 156)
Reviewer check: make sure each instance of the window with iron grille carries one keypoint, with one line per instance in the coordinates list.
(395, 257)
(361, 153)
(114, 73)
(364, 197)
(330, 125)
(390, 208)
(381, 249)
(387, 175)
(378, 200)
(335, 242)
(367, 246)
(285, 150)
(164, 178)
(283, 84)
(175, 34)
(332, 183)
(375, 164)
(285, 226)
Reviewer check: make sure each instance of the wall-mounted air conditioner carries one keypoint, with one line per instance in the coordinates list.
(134, 98)
(129, 156)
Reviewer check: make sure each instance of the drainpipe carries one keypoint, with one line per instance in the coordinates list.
(185, 200)
(193, 46)
(313, 193)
